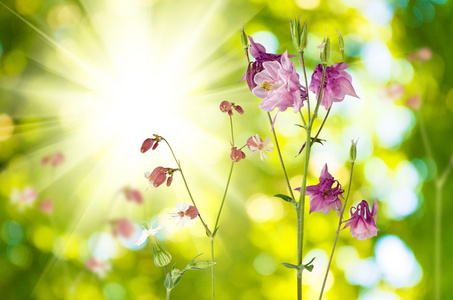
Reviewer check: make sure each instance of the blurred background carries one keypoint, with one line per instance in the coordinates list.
(83, 83)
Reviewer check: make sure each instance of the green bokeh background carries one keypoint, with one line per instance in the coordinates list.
(42, 111)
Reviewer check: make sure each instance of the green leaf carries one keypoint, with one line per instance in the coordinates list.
(290, 266)
(215, 231)
(309, 267)
(285, 198)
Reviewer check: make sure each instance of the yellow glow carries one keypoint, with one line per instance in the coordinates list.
(6, 127)
(43, 238)
(308, 4)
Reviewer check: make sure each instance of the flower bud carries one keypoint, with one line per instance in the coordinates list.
(161, 256)
(191, 212)
(324, 53)
(236, 154)
(340, 41)
(303, 37)
(225, 106)
(294, 26)
(169, 180)
(244, 39)
(147, 144)
(239, 109)
(199, 264)
(353, 151)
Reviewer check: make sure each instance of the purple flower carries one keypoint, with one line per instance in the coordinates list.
(337, 84)
(278, 85)
(362, 223)
(259, 53)
(323, 196)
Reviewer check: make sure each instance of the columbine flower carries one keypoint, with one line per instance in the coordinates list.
(323, 196)
(98, 267)
(337, 84)
(236, 154)
(133, 195)
(362, 223)
(259, 53)
(256, 144)
(183, 213)
(278, 85)
(157, 177)
(24, 198)
(148, 232)
(46, 206)
(123, 227)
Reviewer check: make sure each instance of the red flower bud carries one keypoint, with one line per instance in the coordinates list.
(239, 109)
(191, 212)
(225, 106)
(147, 144)
(169, 180)
(236, 154)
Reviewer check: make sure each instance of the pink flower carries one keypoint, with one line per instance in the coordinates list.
(278, 85)
(362, 224)
(24, 198)
(157, 177)
(228, 107)
(256, 144)
(414, 102)
(123, 227)
(236, 154)
(323, 196)
(337, 84)
(184, 212)
(147, 232)
(98, 267)
(46, 206)
(57, 159)
(259, 53)
(133, 195)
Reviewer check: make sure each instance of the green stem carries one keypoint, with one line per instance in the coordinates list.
(302, 64)
(438, 244)
(281, 158)
(301, 203)
(212, 269)
(187, 186)
(322, 125)
(224, 196)
(338, 232)
(232, 134)
(168, 294)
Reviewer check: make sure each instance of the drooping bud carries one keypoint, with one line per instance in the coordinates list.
(353, 151)
(236, 154)
(191, 212)
(169, 180)
(147, 144)
(324, 53)
(161, 256)
(239, 109)
(225, 106)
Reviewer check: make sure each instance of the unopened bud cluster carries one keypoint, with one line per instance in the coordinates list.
(227, 107)
(298, 34)
(151, 143)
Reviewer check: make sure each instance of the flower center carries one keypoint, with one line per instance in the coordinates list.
(266, 86)
(181, 214)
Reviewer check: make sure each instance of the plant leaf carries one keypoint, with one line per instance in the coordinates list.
(285, 198)
(290, 266)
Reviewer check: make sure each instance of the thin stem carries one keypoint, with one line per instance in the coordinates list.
(322, 125)
(232, 134)
(301, 203)
(302, 64)
(338, 232)
(187, 186)
(168, 294)
(438, 244)
(281, 158)
(224, 196)
(212, 269)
